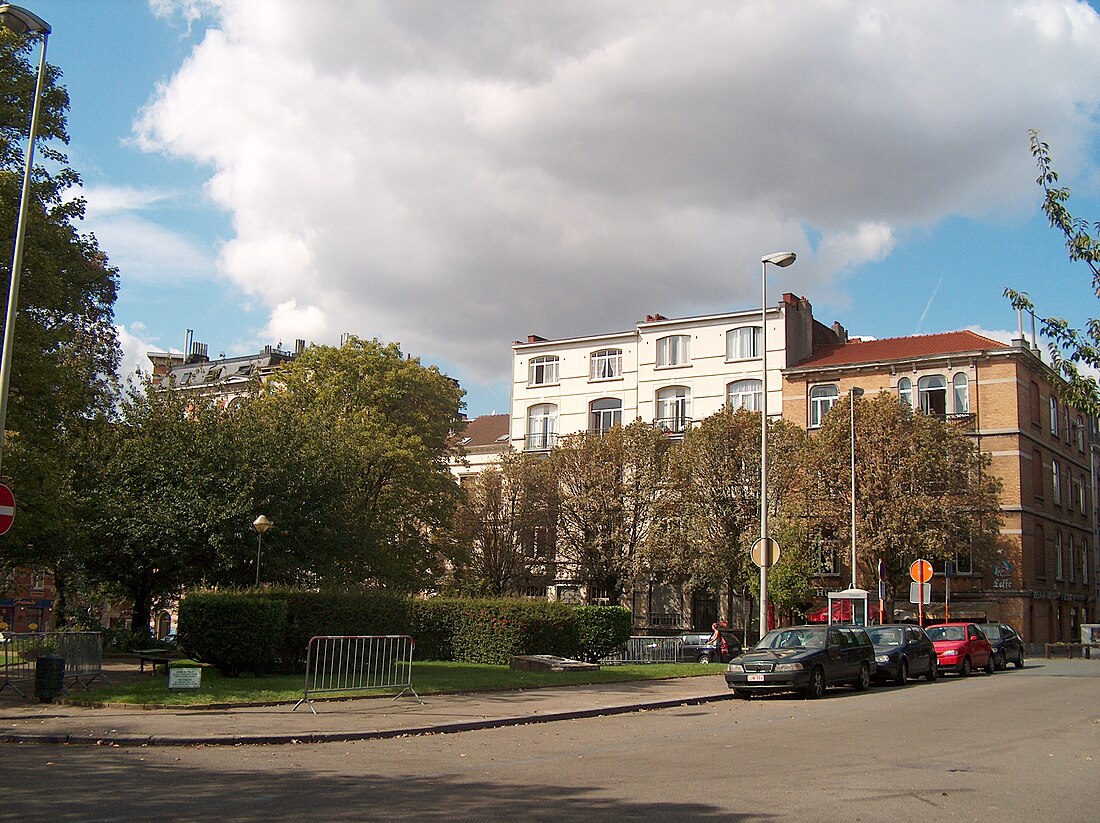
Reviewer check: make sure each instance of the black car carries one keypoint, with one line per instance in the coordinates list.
(902, 651)
(698, 648)
(806, 659)
(1007, 645)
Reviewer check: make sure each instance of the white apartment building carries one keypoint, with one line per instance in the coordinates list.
(670, 373)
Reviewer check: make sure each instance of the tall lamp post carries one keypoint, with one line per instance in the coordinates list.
(20, 21)
(781, 259)
(261, 524)
(855, 392)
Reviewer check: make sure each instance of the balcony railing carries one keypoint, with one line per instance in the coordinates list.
(541, 441)
(672, 426)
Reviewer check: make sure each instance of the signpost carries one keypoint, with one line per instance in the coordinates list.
(7, 509)
(921, 572)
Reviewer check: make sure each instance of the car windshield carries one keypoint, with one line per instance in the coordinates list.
(812, 638)
(885, 637)
(947, 633)
(992, 632)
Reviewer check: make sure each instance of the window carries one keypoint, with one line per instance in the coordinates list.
(1080, 428)
(822, 398)
(1040, 553)
(38, 580)
(1059, 572)
(905, 391)
(932, 395)
(674, 409)
(604, 414)
(1085, 562)
(744, 394)
(1056, 482)
(1082, 497)
(673, 350)
(743, 343)
(542, 426)
(828, 562)
(960, 390)
(607, 364)
(1054, 415)
(1037, 473)
(1035, 402)
(1071, 555)
(544, 371)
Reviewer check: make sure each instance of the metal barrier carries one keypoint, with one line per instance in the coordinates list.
(356, 664)
(646, 650)
(82, 652)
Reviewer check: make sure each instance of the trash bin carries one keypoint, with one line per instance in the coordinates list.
(49, 677)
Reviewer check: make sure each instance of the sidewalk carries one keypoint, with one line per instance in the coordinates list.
(336, 720)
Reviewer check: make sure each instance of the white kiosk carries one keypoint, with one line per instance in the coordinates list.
(850, 603)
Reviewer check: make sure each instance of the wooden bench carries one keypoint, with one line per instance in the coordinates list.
(154, 657)
(1068, 648)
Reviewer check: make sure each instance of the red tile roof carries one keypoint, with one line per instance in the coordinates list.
(485, 430)
(899, 348)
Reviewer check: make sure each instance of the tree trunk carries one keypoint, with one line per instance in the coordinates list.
(141, 613)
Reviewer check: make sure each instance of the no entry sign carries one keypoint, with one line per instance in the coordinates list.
(7, 508)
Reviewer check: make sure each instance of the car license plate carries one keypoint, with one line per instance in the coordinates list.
(756, 678)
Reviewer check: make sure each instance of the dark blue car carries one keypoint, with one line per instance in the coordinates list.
(902, 651)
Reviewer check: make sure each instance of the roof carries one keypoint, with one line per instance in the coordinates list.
(899, 348)
(487, 430)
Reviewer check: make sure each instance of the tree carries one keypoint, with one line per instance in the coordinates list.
(607, 483)
(504, 526)
(923, 490)
(1069, 347)
(66, 352)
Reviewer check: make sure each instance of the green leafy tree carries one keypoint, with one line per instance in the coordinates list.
(1069, 347)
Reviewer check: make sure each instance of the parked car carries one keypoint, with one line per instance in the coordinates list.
(902, 651)
(1007, 645)
(961, 648)
(806, 659)
(697, 648)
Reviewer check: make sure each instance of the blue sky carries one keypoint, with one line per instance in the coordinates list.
(456, 176)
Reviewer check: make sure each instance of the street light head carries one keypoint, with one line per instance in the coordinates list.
(262, 524)
(21, 21)
(857, 391)
(779, 258)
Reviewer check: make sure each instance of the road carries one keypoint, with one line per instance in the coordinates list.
(1016, 746)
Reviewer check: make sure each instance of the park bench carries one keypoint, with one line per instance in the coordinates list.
(154, 657)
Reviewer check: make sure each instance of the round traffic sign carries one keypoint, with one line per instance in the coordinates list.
(760, 557)
(7, 508)
(920, 571)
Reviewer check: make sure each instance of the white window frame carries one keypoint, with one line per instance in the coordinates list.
(745, 394)
(674, 408)
(927, 386)
(822, 398)
(1054, 415)
(673, 350)
(960, 393)
(602, 419)
(543, 370)
(542, 427)
(1080, 433)
(1056, 482)
(743, 343)
(905, 391)
(1059, 566)
(606, 364)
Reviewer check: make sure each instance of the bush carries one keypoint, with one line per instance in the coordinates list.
(491, 631)
(234, 632)
(601, 630)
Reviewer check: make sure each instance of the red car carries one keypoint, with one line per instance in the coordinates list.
(961, 647)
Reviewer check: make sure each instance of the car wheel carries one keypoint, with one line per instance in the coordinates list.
(703, 658)
(816, 687)
(964, 669)
(991, 666)
(744, 694)
(903, 673)
(863, 682)
(933, 671)
(1001, 664)
(1019, 661)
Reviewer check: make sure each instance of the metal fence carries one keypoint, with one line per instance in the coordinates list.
(19, 653)
(357, 664)
(646, 650)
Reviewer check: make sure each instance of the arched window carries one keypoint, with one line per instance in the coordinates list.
(544, 371)
(604, 414)
(743, 343)
(1054, 415)
(1080, 429)
(607, 364)
(674, 408)
(822, 398)
(744, 394)
(542, 427)
(960, 391)
(932, 395)
(905, 391)
(674, 350)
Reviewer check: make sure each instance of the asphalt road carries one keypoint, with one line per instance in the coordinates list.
(1016, 746)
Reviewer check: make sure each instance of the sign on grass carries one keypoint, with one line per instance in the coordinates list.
(184, 677)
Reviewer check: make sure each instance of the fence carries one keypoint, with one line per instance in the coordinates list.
(81, 651)
(646, 650)
(357, 664)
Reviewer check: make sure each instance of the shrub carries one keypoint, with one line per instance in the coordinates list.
(491, 631)
(601, 630)
(231, 630)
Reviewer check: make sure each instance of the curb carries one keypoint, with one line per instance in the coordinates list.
(343, 737)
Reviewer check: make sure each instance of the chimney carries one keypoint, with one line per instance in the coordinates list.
(198, 353)
(534, 338)
(299, 346)
(840, 332)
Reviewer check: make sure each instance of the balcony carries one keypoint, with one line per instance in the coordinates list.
(673, 426)
(541, 441)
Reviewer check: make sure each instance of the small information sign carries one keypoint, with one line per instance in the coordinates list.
(184, 677)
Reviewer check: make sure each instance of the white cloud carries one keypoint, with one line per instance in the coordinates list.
(455, 175)
(135, 351)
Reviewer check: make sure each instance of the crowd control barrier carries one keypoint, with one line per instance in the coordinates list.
(81, 651)
(646, 650)
(357, 664)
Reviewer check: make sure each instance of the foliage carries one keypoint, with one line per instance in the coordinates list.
(491, 631)
(1069, 347)
(608, 485)
(601, 630)
(234, 633)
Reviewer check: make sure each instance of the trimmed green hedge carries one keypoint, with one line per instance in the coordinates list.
(474, 631)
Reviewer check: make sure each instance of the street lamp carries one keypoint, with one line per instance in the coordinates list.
(20, 21)
(781, 259)
(855, 392)
(261, 524)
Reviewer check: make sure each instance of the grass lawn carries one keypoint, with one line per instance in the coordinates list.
(429, 677)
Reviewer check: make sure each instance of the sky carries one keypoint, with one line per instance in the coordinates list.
(454, 176)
